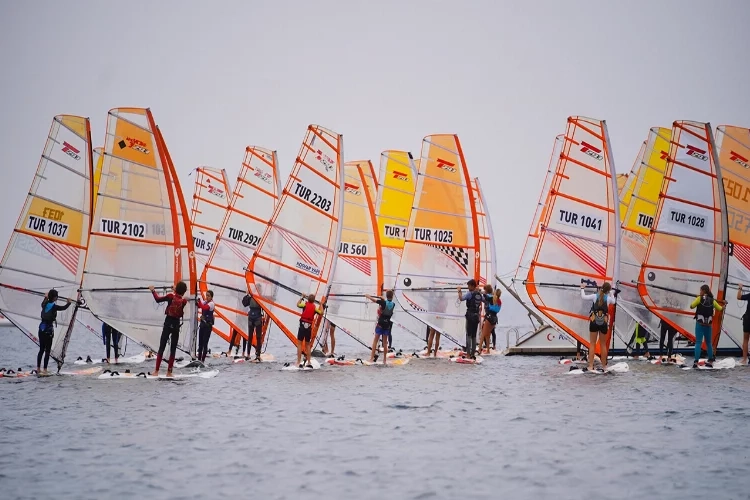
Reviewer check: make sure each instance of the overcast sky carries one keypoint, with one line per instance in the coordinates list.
(504, 76)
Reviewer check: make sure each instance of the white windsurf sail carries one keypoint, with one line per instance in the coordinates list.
(487, 253)
(299, 248)
(733, 144)
(359, 268)
(442, 249)
(140, 233)
(688, 246)
(48, 246)
(579, 233)
(252, 204)
(210, 202)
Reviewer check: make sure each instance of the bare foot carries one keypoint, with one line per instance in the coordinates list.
(154, 374)
(169, 374)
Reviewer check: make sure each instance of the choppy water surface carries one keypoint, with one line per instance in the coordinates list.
(431, 429)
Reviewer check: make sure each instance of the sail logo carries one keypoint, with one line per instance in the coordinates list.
(592, 151)
(308, 268)
(326, 160)
(218, 192)
(738, 158)
(71, 151)
(696, 153)
(664, 155)
(645, 221)
(264, 176)
(400, 176)
(352, 189)
(135, 144)
(446, 165)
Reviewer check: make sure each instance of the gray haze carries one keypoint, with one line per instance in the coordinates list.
(503, 75)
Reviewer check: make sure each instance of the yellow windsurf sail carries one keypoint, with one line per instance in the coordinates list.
(140, 232)
(487, 253)
(442, 248)
(299, 249)
(98, 154)
(48, 246)
(579, 233)
(733, 144)
(689, 237)
(359, 268)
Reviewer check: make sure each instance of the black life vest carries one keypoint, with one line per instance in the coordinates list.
(254, 311)
(386, 313)
(49, 315)
(473, 304)
(599, 312)
(704, 313)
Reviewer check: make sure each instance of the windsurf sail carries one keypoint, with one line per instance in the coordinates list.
(637, 210)
(532, 240)
(140, 233)
(442, 247)
(689, 239)
(372, 180)
(579, 233)
(252, 204)
(98, 154)
(622, 180)
(487, 254)
(626, 182)
(398, 178)
(48, 246)
(210, 202)
(299, 248)
(359, 268)
(734, 158)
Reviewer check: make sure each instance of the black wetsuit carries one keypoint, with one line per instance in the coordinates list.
(666, 330)
(474, 301)
(110, 335)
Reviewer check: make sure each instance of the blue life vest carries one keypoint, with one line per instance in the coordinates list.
(384, 320)
(49, 315)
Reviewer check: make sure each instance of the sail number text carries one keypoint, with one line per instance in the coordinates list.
(243, 237)
(201, 244)
(46, 226)
(352, 249)
(580, 220)
(433, 235)
(396, 232)
(312, 197)
(122, 228)
(690, 220)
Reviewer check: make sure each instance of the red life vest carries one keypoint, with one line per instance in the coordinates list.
(308, 313)
(176, 306)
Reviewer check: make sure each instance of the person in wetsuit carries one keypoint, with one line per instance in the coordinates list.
(330, 335)
(111, 336)
(491, 308)
(384, 325)
(474, 300)
(640, 338)
(47, 327)
(254, 326)
(172, 322)
(668, 332)
(598, 321)
(304, 334)
(206, 324)
(704, 305)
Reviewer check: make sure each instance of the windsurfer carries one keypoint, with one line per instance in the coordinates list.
(491, 308)
(704, 305)
(111, 336)
(598, 321)
(254, 325)
(640, 338)
(330, 335)
(172, 321)
(206, 324)
(47, 327)
(304, 334)
(474, 300)
(745, 323)
(498, 302)
(384, 324)
(666, 331)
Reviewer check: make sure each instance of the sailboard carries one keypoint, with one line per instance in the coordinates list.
(733, 145)
(579, 233)
(299, 249)
(442, 247)
(638, 204)
(359, 268)
(255, 195)
(50, 241)
(398, 178)
(210, 202)
(140, 233)
(689, 241)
